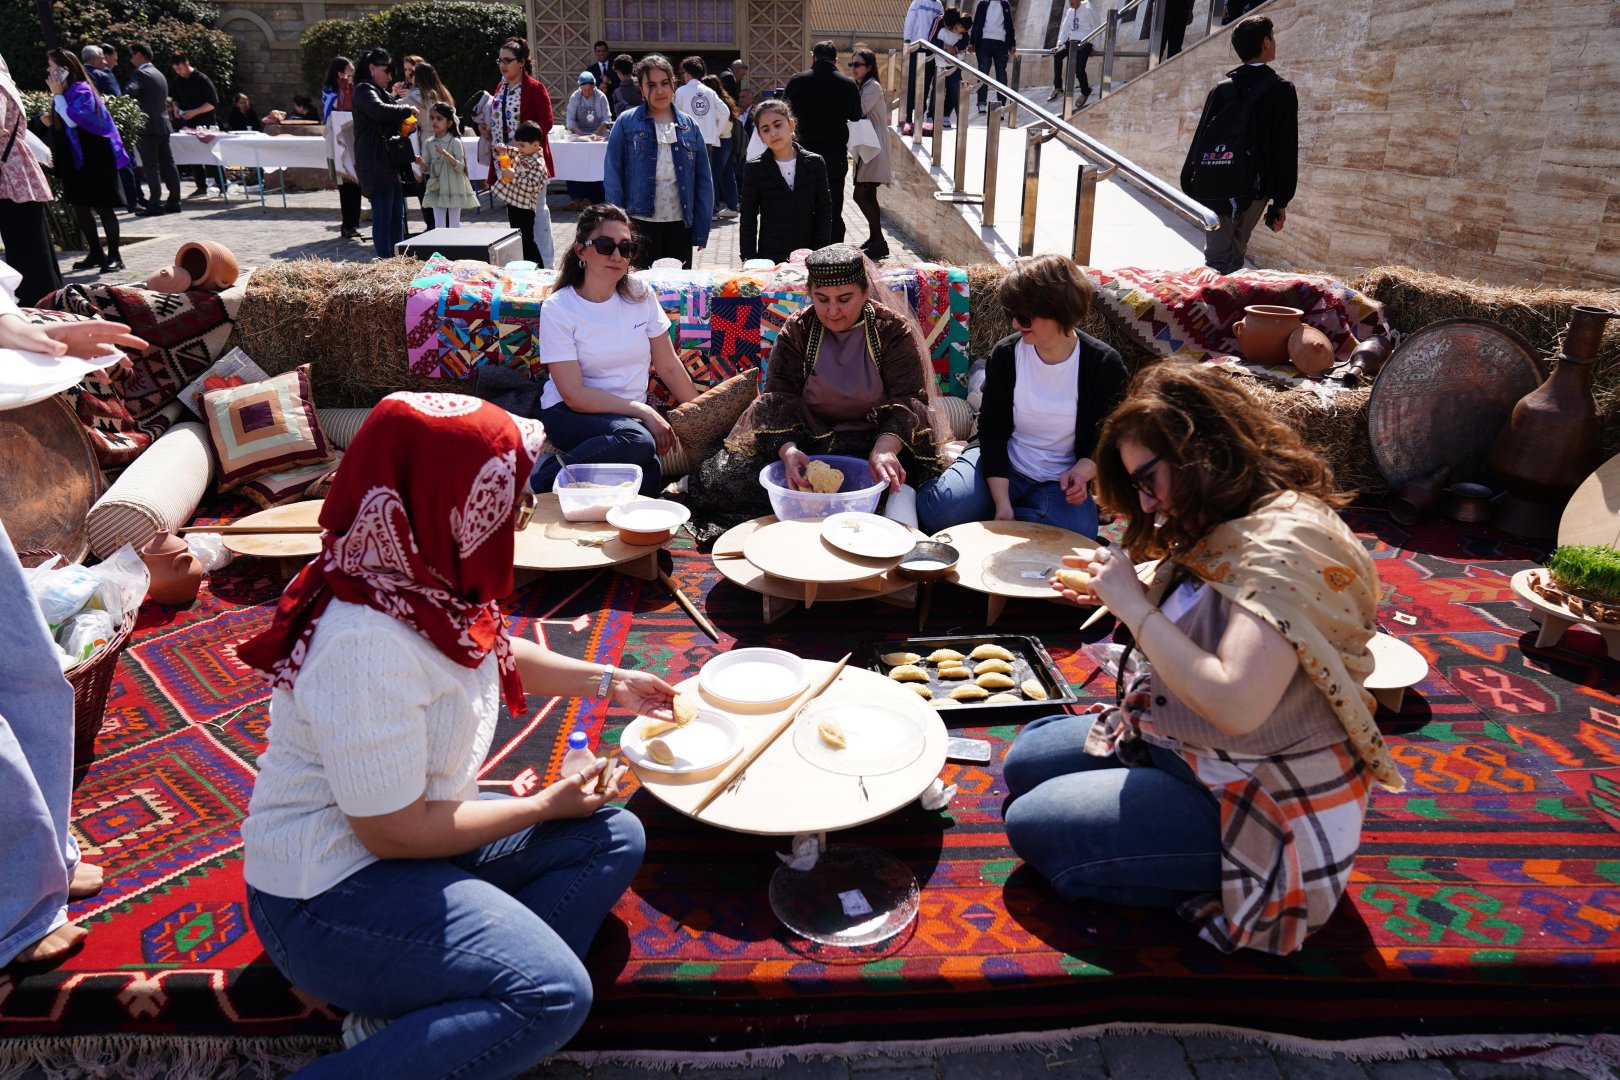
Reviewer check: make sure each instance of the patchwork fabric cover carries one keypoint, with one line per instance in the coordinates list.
(460, 314)
(125, 411)
(1189, 314)
(264, 427)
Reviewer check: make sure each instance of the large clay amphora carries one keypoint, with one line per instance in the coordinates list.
(1553, 440)
(1263, 332)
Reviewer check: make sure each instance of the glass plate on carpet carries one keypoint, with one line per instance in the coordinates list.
(709, 740)
(877, 739)
(754, 677)
(870, 536)
(853, 896)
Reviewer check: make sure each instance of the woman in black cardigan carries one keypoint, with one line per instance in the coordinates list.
(1047, 389)
(785, 199)
(376, 119)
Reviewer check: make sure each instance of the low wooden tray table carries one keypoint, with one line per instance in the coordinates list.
(788, 564)
(1555, 619)
(996, 554)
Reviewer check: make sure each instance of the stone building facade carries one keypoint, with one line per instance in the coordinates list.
(268, 31)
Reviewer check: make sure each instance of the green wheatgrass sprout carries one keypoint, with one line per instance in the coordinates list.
(1593, 571)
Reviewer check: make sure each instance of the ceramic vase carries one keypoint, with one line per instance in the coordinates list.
(176, 573)
(1263, 332)
(1310, 351)
(211, 266)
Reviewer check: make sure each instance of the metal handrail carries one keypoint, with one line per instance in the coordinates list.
(1189, 210)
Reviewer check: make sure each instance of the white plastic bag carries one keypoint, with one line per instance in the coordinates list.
(121, 583)
(60, 591)
(86, 633)
(210, 550)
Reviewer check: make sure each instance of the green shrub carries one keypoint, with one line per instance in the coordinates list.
(324, 40)
(1593, 571)
(170, 25)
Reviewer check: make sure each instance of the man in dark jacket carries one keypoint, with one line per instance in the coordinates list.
(993, 40)
(148, 87)
(1273, 141)
(825, 100)
(196, 104)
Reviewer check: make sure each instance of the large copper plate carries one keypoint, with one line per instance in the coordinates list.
(50, 478)
(1443, 397)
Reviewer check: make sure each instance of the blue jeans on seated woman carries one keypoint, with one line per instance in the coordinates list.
(1098, 829)
(961, 494)
(476, 960)
(594, 439)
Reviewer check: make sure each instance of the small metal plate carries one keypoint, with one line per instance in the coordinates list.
(50, 479)
(1445, 395)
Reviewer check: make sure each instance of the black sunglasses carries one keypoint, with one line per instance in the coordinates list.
(605, 246)
(1142, 477)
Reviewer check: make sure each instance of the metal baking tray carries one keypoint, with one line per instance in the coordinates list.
(1030, 660)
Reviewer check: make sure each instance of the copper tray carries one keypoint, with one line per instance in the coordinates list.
(1443, 397)
(50, 479)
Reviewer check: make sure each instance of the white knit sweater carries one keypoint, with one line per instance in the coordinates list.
(377, 717)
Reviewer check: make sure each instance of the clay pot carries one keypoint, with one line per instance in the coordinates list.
(170, 279)
(1416, 500)
(176, 573)
(1468, 503)
(1366, 358)
(211, 265)
(1263, 332)
(1310, 351)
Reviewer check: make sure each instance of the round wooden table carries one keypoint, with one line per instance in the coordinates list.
(1005, 559)
(1396, 666)
(1555, 619)
(800, 568)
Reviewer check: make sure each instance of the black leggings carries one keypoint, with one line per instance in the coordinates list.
(661, 240)
(523, 222)
(87, 225)
(866, 198)
(349, 202)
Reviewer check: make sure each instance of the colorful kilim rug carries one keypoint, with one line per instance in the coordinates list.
(1486, 897)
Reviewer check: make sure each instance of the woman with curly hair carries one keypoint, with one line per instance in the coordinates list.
(1232, 775)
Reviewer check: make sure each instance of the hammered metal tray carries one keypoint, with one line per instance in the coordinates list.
(1443, 397)
(50, 478)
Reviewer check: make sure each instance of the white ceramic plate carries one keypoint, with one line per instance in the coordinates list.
(754, 676)
(878, 739)
(648, 515)
(711, 739)
(870, 536)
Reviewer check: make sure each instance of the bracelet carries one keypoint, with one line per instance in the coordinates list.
(1141, 626)
(605, 682)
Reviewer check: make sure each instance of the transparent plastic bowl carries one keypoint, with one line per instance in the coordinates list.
(858, 495)
(592, 504)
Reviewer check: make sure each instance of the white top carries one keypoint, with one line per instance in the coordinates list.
(1044, 406)
(666, 189)
(377, 717)
(995, 21)
(610, 341)
(1077, 23)
(702, 105)
(789, 168)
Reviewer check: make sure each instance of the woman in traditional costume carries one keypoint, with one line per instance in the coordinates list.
(451, 926)
(1231, 778)
(848, 375)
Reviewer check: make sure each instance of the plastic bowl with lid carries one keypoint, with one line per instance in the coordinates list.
(858, 494)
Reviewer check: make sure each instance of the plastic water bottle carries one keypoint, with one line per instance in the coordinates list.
(579, 760)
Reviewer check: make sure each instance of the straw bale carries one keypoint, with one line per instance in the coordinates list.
(346, 320)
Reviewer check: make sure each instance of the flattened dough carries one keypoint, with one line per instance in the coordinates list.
(991, 652)
(908, 673)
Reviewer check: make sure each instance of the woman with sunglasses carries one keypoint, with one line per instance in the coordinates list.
(871, 172)
(1231, 777)
(1047, 388)
(521, 98)
(601, 328)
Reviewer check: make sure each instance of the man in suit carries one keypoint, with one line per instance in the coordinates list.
(148, 87)
(732, 79)
(607, 80)
(825, 100)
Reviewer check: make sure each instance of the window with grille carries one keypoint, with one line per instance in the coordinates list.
(691, 22)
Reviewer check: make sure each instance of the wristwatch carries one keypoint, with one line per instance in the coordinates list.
(605, 683)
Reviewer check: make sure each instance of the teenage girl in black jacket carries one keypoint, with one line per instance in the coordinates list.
(786, 204)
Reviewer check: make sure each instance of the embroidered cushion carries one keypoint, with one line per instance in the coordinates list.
(263, 427)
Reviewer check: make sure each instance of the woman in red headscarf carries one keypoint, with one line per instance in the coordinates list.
(452, 927)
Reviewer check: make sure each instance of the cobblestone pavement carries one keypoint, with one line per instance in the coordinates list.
(308, 227)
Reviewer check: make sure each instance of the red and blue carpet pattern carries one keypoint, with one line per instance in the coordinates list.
(1486, 896)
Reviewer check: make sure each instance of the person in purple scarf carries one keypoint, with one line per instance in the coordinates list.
(88, 153)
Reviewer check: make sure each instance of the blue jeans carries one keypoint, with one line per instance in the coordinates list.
(37, 852)
(962, 494)
(387, 219)
(1098, 830)
(725, 179)
(477, 960)
(595, 438)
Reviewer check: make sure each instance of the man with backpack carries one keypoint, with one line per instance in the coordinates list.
(1245, 154)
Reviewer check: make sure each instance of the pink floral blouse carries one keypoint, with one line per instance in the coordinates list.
(21, 178)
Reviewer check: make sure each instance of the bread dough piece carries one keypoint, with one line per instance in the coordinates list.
(991, 652)
(659, 751)
(984, 667)
(994, 699)
(995, 681)
(970, 693)
(686, 709)
(908, 673)
(1078, 580)
(1033, 689)
(831, 733)
(940, 656)
(895, 659)
(954, 671)
(824, 479)
(654, 728)
(921, 690)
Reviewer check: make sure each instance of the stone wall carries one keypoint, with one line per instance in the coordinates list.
(1475, 138)
(938, 229)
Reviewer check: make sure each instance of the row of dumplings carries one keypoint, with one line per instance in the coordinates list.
(991, 670)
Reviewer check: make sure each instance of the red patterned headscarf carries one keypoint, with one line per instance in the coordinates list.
(418, 525)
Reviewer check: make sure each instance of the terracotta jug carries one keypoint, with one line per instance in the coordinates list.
(1554, 439)
(211, 265)
(1263, 332)
(1310, 350)
(176, 573)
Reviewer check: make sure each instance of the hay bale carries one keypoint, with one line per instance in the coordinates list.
(1337, 433)
(346, 320)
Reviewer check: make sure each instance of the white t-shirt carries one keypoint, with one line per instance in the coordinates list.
(377, 717)
(610, 341)
(1044, 406)
(789, 169)
(995, 21)
(703, 106)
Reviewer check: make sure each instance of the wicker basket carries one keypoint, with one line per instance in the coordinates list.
(91, 680)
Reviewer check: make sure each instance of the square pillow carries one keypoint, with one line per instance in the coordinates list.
(263, 427)
(702, 422)
(290, 485)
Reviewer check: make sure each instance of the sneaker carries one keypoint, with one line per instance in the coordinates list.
(357, 1029)
(1054, 95)
(1081, 99)
(979, 108)
(946, 123)
(725, 212)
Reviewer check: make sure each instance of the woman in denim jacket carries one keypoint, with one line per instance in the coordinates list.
(658, 170)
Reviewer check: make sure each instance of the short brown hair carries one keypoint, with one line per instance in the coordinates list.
(1049, 286)
(1227, 455)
